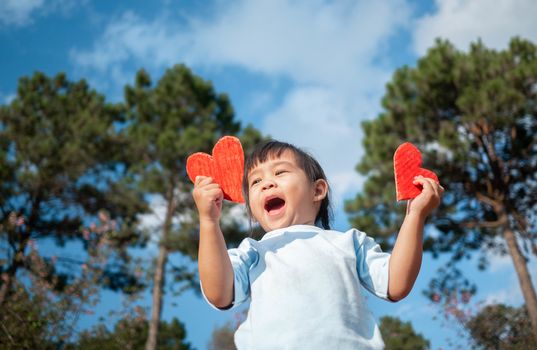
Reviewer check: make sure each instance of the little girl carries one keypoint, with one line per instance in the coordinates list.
(303, 279)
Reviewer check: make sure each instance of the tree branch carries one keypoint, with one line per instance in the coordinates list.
(485, 224)
(487, 200)
(521, 223)
(7, 333)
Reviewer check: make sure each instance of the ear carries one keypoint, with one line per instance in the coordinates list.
(320, 188)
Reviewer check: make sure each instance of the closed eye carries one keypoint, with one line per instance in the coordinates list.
(255, 182)
(279, 172)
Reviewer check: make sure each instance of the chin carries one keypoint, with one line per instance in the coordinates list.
(274, 226)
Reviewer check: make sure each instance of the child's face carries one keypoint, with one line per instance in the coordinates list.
(281, 195)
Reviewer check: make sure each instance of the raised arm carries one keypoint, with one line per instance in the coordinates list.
(214, 266)
(405, 261)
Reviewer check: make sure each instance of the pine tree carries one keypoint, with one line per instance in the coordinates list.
(181, 114)
(61, 168)
(474, 116)
(400, 335)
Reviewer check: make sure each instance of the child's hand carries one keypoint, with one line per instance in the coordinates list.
(429, 198)
(208, 197)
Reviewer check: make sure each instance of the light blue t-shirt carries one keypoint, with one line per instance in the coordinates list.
(304, 286)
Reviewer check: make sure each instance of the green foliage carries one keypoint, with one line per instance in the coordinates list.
(180, 115)
(25, 324)
(62, 151)
(400, 335)
(501, 327)
(223, 338)
(61, 165)
(73, 167)
(473, 116)
(45, 301)
(132, 334)
(450, 287)
(166, 122)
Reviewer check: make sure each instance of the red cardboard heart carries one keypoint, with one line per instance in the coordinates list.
(407, 165)
(225, 166)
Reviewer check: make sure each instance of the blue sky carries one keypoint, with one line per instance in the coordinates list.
(308, 72)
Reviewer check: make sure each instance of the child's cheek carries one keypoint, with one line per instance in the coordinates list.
(251, 201)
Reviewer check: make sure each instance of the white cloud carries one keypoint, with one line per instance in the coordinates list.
(127, 44)
(153, 220)
(329, 52)
(509, 291)
(510, 295)
(308, 41)
(499, 262)
(6, 98)
(320, 121)
(130, 38)
(18, 12)
(260, 101)
(504, 262)
(463, 22)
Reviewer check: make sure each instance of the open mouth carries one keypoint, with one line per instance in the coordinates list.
(274, 205)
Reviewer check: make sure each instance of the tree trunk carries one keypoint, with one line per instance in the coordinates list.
(158, 281)
(156, 307)
(524, 278)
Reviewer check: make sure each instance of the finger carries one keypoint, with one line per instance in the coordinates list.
(433, 186)
(436, 184)
(421, 180)
(203, 180)
(211, 186)
(198, 179)
(437, 188)
(215, 194)
(428, 185)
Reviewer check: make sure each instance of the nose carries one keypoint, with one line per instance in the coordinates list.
(267, 184)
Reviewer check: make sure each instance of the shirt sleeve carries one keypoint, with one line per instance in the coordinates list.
(243, 259)
(372, 264)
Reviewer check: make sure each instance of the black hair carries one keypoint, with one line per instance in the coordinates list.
(310, 166)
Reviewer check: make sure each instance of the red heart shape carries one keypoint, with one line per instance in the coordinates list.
(225, 166)
(407, 165)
